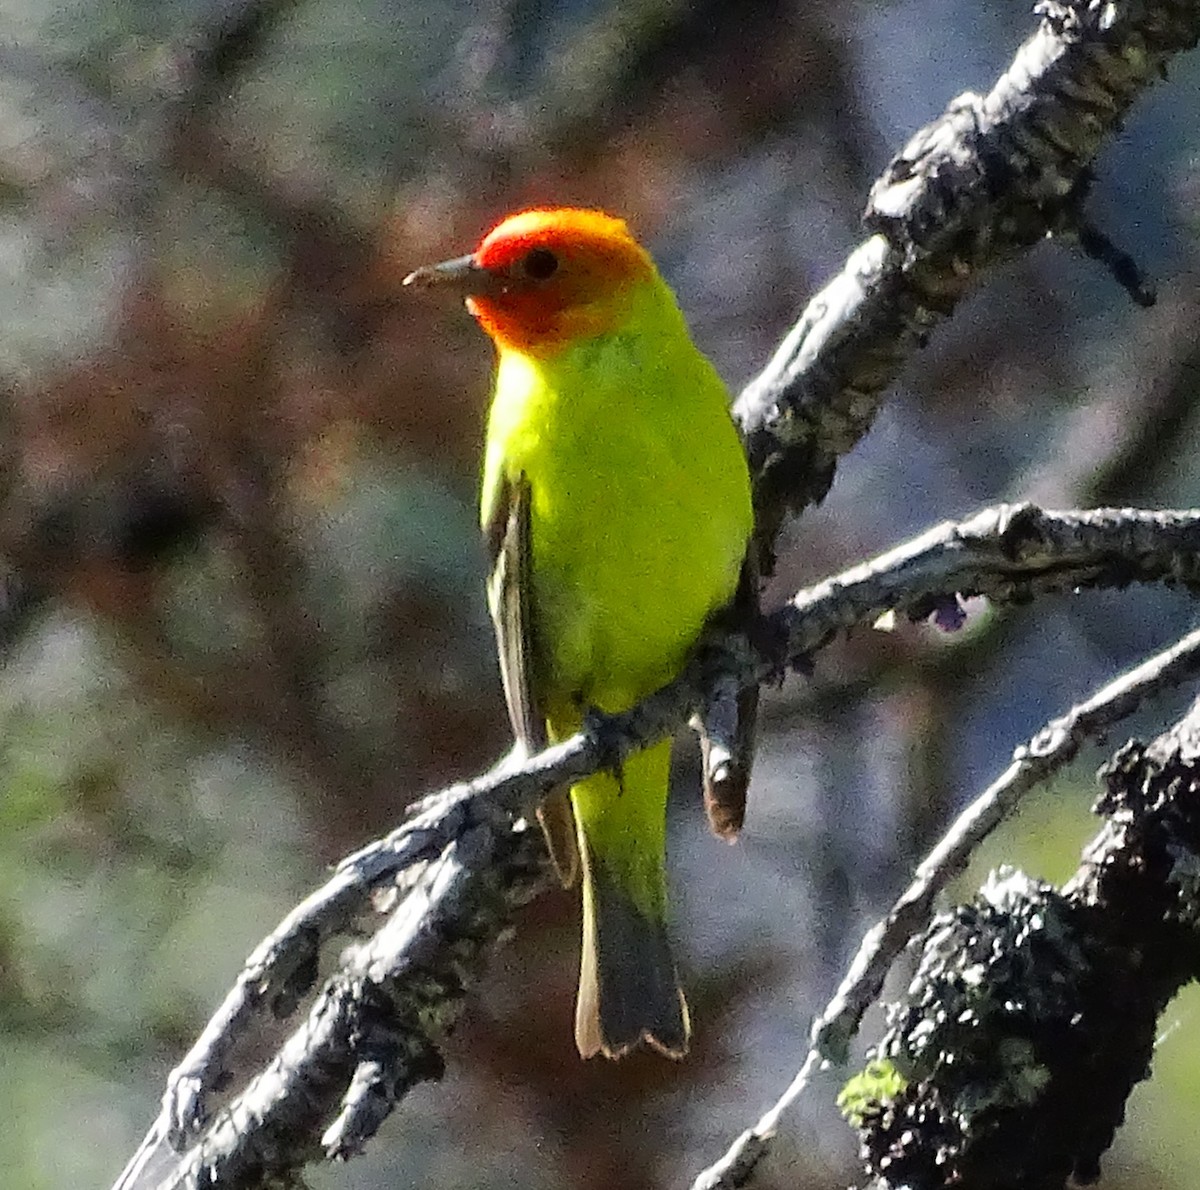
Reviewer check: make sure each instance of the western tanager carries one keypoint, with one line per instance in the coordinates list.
(616, 507)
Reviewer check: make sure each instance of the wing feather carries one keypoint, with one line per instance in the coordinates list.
(509, 540)
(507, 534)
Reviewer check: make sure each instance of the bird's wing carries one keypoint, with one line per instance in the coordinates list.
(508, 535)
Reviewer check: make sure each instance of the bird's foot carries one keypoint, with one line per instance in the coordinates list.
(609, 741)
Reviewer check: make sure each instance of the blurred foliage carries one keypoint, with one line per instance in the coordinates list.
(242, 609)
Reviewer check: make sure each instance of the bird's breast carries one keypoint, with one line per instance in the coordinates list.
(640, 515)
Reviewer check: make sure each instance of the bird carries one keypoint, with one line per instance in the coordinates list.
(616, 509)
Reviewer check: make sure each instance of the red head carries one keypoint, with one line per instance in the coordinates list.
(542, 279)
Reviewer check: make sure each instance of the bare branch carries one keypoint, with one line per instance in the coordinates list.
(229, 43)
(373, 1020)
(994, 175)
(461, 867)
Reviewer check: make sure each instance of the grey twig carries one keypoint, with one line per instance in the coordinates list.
(459, 867)
(1055, 746)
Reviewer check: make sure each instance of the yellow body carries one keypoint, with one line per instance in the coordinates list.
(639, 518)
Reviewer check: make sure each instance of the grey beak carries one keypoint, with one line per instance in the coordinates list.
(462, 274)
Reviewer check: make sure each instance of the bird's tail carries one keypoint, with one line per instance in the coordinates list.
(628, 988)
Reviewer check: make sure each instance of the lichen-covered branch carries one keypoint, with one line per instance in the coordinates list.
(377, 1019)
(1034, 1011)
(458, 866)
(994, 175)
(1033, 764)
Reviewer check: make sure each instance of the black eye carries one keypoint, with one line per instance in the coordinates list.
(539, 264)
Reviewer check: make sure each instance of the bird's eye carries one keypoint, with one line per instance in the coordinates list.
(539, 264)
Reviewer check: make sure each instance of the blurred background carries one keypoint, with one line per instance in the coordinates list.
(242, 620)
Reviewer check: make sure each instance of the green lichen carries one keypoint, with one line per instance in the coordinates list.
(870, 1091)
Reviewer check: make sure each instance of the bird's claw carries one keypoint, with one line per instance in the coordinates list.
(609, 742)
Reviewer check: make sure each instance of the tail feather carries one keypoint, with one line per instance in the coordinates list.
(629, 991)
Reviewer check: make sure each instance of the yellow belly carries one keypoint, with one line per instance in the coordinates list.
(640, 510)
(629, 560)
